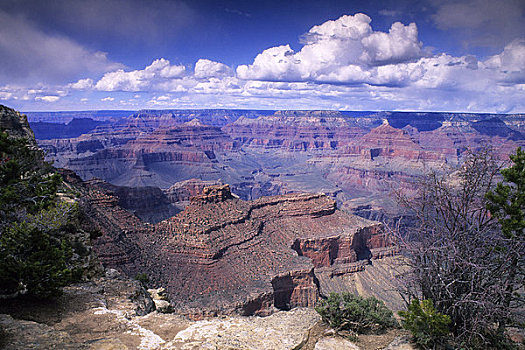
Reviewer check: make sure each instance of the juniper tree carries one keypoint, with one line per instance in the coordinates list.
(34, 255)
(507, 204)
(458, 254)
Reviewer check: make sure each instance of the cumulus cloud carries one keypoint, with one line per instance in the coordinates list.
(343, 64)
(158, 72)
(346, 50)
(82, 84)
(48, 98)
(401, 44)
(205, 68)
(276, 63)
(29, 55)
(510, 63)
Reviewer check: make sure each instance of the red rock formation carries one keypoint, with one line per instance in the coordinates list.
(225, 255)
(386, 141)
(313, 151)
(155, 158)
(295, 131)
(182, 191)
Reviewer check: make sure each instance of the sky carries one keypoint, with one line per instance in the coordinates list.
(404, 55)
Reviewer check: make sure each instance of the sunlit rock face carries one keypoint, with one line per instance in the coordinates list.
(292, 131)
(224, 255)
(356, 158)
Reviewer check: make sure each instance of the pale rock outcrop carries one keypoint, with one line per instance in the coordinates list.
(282, 330)
(335, 343)
(160, 298)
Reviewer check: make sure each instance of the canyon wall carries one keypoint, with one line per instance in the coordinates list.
(355, 158)
(223, 255)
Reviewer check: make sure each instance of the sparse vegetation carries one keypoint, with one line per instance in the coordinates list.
(35, 257)
(459, 256)
(142, 278)
(429, 328)
(349, 312)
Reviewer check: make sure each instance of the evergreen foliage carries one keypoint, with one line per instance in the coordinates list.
(428, 327)
(35, 257)
(507, 201)
(354, 313)
(507, 204)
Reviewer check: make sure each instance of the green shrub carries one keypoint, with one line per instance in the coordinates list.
(35, 256)
(143, 278)
(428, 327)
(31, 262)
(354, 313)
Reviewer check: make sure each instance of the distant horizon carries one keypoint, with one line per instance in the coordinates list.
(453, 56)
(255, 109)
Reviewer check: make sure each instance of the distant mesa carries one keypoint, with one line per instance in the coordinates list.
(355, 157)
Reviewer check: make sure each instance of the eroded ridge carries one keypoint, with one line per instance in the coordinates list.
(224, 255)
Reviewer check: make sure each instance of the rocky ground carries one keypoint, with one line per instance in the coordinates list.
(113, 312)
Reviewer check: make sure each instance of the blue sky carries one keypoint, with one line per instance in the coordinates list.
(432, 55)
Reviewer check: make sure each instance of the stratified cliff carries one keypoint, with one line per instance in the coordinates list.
(15, 124)
(223, 255)
(355, 158)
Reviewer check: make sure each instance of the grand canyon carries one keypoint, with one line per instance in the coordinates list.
(289, 175)
(356, 158)
(248, 212)
(252, 213)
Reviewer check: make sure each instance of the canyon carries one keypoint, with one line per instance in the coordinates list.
(223, 255)
(249, 212)
(355, 158)
(240, 213)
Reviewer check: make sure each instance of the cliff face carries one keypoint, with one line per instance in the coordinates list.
(292, 131)
(16, 124)
(223, 255)
(355, 158)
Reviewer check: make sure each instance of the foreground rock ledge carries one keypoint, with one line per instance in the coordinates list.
(103, 315)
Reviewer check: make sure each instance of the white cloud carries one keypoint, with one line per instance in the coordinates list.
(345, 27)
(205, 68)
(5, 95)
(82, 84)
(29, 55)
(346, 50)
(276, 63)
(401, 44)
(158, 72)
(47, 98)
(343, 64)
(162, 68)
(511, 62)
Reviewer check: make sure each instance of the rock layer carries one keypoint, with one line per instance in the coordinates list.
(223, 255)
